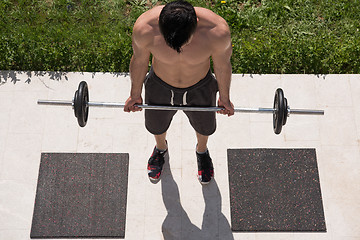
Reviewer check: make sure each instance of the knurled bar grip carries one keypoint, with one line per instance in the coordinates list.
(199, 109)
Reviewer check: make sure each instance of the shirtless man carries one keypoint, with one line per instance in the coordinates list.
(181, 39)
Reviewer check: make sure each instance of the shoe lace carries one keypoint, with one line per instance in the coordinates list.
(157, 158)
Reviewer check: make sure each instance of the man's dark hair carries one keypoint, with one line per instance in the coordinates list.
(177, 23)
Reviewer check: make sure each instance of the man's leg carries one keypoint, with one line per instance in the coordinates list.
(201, 142)
(161, 141)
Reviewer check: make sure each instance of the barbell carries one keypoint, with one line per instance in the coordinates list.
(280, 111)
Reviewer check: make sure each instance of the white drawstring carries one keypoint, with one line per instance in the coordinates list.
(172, 98)
(184, 99)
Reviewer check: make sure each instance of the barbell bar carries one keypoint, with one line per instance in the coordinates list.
(80, 103)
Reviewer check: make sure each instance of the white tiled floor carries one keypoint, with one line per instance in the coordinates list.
(178, 207)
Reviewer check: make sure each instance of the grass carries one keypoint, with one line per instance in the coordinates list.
(295, 36)
(284, 36)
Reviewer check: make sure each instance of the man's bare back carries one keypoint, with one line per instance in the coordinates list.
(211, 38)
(192, 64)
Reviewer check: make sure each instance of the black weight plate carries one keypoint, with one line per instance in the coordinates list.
(86, 100)
(81, 104)
(78, 106)
(75, 101)
(285, 111)
(278, 115)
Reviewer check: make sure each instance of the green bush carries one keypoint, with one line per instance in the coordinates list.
(284, 36)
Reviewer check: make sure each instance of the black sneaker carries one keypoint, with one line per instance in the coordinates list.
(205, 167)
(155, 164)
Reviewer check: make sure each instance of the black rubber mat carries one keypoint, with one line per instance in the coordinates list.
(81, 195)
(275, 190)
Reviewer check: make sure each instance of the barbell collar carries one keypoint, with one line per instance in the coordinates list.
(55, 102)
(305, 112)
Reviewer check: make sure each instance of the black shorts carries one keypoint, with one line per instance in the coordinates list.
(202, 94)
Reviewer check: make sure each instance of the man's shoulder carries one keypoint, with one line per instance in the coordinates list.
(214, 28)
(147, 21)
(213, 22)
(146, 26)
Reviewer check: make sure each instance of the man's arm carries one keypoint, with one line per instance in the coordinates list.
(221, 56)
(138, 68)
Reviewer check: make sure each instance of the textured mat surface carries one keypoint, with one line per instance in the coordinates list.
(275, 190)
(81, 195)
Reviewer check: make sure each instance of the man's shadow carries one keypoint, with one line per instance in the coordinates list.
(177, 224)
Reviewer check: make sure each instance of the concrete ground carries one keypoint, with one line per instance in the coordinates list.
(174, 208)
